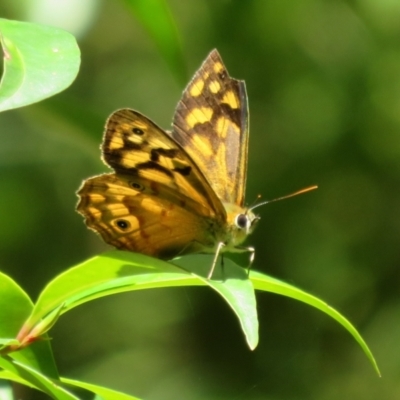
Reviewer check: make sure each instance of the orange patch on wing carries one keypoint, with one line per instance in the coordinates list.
(222, 127)
(218, 67)
(199, 116)
(116, 143)
(203, 145)
(128, 161)
(95, 198)
(231, 99)
(214, 86)
(135, 139)
(196, 88)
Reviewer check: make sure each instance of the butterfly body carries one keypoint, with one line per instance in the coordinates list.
(178, 192)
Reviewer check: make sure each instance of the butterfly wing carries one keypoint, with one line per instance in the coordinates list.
(138, 217)
(158, 202)
(211, 124)
(135, 146)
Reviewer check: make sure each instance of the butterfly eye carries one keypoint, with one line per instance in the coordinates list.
(137, 131)
(242, 221)
(137, 186)
(122, 224)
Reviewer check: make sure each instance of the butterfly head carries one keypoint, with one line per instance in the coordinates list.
(241, 222)
(246, 221)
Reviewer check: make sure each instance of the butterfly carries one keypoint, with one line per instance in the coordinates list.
(178, 192)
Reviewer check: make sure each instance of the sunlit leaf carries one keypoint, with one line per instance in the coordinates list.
(269, 284)
(15, 307)
(119, 271)
(234, 286)
(39, 61)
(106, 394)
(25, 374)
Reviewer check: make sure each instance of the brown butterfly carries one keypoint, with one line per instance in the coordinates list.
(178, 192)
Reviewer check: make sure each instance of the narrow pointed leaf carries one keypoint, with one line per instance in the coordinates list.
(269, 284)
(119, 271)
(15, 307)
(24, 373)
(104, 393)
(112, 272)
(234, 286)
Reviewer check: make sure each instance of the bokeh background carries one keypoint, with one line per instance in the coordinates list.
(323, 80)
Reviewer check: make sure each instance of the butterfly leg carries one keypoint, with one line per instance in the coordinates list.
(219, 248)
(252, 252)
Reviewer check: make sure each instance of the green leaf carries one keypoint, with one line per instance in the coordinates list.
(22, 373)
(14, 377)
(157, 19)
(6, 343)
(233, 285)
(112, 272)
(39, 61)
(120, 271)
(39, 356)
(106, 394)
(269, 284)
(15, 307)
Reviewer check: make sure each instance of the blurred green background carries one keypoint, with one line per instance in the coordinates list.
(323, 80)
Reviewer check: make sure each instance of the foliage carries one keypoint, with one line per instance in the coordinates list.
(322, 81)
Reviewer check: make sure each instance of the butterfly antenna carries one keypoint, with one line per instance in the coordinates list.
(308, 189)
(253, 204)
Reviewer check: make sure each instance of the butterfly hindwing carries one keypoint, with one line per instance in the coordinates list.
(135, 217)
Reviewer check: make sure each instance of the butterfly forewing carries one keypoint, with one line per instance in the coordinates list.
(211, 124)
(133, 145)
